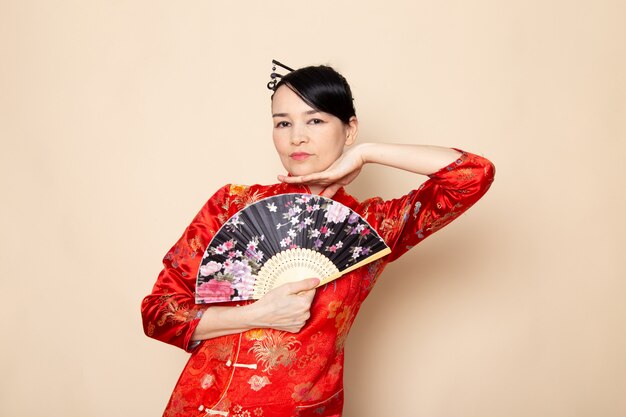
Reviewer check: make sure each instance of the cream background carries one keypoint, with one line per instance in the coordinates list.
(119, 119)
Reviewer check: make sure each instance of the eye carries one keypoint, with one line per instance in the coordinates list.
(282, 124)
(316, 121)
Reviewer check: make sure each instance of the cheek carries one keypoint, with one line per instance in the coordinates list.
(337, 142)
(282, 147)
(278, 143)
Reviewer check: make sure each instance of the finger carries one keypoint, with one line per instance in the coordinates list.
(295, 329)
(303, 285)
(307, 297)
(289, 180)
(315, 177)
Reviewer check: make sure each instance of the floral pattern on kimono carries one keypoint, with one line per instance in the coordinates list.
(267, 372)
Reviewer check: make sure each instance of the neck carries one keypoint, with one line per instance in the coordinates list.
(316, 189)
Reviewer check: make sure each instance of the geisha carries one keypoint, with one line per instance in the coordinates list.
(282, 355)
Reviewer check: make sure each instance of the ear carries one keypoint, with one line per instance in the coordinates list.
(352, 130)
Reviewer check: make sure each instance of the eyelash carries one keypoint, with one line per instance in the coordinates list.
(284, 123)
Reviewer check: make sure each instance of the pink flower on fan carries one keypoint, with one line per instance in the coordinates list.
(333, 248)
(303, 199)
(215, 290)
(245, 289)
(239, 270)
(337, 212)
(257, 255)
(226, 246)
(210, 268)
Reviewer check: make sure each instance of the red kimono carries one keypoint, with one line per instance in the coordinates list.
(271, 373)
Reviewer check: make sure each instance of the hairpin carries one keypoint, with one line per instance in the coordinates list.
(274, 75)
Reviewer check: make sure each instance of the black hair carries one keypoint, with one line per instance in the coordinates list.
(322, 88)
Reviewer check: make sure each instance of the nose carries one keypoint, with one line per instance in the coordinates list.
(298, 136)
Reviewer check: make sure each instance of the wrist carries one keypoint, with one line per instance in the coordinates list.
(250, 315)
(368, 151)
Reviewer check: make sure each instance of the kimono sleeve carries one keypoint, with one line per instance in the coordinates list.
(169, 312)
(408, 220)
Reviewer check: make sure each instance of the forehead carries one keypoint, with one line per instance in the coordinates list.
(287, 101)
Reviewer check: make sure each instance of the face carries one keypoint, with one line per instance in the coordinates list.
(307, 140)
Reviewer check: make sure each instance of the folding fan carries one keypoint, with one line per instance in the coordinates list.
(281, 239)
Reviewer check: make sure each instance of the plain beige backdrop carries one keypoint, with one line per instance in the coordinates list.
(118, 119)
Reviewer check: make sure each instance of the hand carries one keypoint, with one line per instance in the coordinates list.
(286, 307)
(341, 172)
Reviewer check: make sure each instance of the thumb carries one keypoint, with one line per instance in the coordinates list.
(303, 285)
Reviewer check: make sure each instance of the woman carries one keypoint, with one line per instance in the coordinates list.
(283, 354)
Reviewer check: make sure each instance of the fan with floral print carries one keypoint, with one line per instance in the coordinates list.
(281, 239)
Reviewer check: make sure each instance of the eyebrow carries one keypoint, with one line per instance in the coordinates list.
(286, 114)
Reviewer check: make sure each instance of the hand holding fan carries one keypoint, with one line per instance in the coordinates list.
(281, 239)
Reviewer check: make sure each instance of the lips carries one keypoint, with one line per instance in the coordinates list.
(299, 156)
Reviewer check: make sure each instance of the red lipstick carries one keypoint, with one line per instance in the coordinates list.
(299, 156)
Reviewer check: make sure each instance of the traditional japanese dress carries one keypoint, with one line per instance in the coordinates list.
(271, 373)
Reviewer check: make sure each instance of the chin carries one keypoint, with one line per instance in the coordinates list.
(296, 171)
